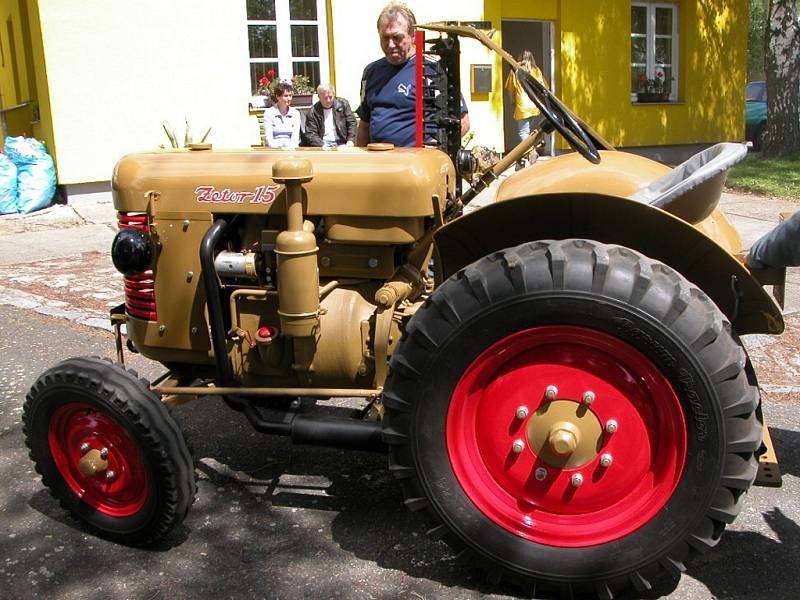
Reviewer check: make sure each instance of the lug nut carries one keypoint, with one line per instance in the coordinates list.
(551, 392)
(518, 446)
(588, 398)
(606, 460)
(85, 447)
(540, 474)
(522, 412)
(611, 426)
(110, 475)
(104, 453)
(576, 480)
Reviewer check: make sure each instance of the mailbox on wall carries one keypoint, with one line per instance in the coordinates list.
(481, 78)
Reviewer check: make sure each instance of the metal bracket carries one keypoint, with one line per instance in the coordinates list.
(769, 472)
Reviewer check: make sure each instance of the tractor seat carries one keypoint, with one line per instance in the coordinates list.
(692, 190)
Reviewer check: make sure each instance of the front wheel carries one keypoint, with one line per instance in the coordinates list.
(575, 414)
(109, 450)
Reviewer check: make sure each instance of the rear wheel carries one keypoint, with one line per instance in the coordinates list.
(109, 450)
(573, 413)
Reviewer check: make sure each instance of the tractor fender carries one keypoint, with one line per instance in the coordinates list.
(613, 220)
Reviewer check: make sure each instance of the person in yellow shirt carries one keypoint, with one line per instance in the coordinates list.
(525, 111)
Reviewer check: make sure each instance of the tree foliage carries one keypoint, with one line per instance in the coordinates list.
(782, 69)
(755, 39)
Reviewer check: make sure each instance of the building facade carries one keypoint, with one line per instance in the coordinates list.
(95, 80)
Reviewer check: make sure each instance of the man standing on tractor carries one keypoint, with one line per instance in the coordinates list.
(388, 89)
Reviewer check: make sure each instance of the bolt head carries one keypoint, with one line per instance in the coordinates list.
(522, 412)
(551, 392)
(540, 474)
(110, 475)
(612, 426)
(104, 453)
(606, 460)
(372, 263)
(588, 397)
(576, 480)
(518, 446)
(85, 447)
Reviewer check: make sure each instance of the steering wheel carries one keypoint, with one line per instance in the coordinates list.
(560, 117)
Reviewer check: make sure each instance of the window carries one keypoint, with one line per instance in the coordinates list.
(654, 46)
(289, 37)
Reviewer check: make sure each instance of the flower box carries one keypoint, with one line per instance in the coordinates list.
(652, 96)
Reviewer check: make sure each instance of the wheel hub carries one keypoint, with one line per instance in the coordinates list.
(98, 459)
(566, 435)
(92, 463)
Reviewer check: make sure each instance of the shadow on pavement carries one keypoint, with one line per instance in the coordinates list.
(288, 520)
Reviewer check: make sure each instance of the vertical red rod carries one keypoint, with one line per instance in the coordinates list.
(418, 106)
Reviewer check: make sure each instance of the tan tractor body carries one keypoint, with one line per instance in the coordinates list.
(557, 377)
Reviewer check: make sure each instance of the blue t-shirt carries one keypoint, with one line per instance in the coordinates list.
(388, 101)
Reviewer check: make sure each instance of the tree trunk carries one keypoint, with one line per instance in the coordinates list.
(782, 67)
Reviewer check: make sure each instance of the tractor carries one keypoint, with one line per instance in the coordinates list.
(557, 378)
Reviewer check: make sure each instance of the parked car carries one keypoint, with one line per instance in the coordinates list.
(755, 113)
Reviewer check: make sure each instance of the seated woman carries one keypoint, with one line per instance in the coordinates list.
(282, 121)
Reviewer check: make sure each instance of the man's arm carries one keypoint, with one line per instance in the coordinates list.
(362, 133)
(313, 128)
(350, 121)
(464, 123)
(268, 126)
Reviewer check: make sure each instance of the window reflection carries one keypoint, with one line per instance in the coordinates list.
(263, 41)
(305, 40)
(261, 10)
(303, 10)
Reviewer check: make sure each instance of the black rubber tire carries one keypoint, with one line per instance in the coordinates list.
(119, 394)
(614, 290)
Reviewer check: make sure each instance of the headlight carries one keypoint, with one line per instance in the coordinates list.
(132, 251)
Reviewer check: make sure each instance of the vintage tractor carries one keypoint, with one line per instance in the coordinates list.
(558, 377)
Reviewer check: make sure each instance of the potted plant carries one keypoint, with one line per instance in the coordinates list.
(653, 90)
(265, 91)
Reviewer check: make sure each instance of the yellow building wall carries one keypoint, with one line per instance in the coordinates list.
(108, 74)
(594, 73)
(117, 70)
(592, 65)
(26, 88)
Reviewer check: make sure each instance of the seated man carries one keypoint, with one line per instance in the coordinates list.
(330, 122)
(388, 90)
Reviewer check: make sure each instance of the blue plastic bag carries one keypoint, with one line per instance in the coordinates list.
(36, 174)
(8, 186)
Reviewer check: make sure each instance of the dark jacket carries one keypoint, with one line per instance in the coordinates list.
(344, 122)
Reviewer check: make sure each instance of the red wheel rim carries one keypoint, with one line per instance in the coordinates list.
(648, 448)
(75, 428)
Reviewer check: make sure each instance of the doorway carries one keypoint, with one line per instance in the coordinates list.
(536, 36)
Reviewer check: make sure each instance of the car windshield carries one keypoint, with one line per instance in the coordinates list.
(756, 92)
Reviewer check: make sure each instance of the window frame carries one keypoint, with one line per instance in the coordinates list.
(650, 45)
(283, 32)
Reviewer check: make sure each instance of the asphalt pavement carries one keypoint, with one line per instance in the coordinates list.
(286, 522)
